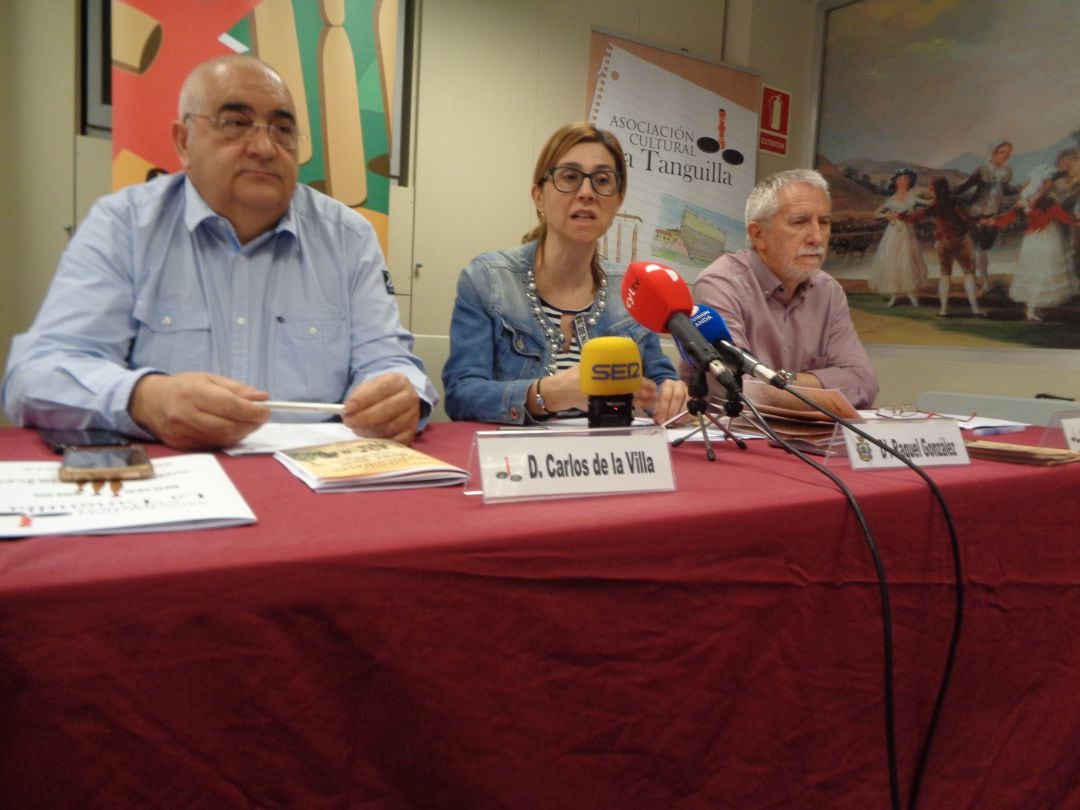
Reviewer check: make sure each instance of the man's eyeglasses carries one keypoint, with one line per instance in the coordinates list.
(234, 126)
(567, 179)
(912, 412)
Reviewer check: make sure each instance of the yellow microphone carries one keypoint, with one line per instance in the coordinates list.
(610, 375)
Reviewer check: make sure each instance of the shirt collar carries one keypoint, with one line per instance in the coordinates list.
(766, 278)
(196, 212)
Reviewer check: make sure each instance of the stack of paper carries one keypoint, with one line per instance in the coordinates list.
(1021, 453)
(793, 420)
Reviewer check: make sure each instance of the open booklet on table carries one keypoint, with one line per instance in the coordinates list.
(186, 492)
(362, 464)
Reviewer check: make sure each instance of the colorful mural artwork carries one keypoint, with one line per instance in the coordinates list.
(338, 58)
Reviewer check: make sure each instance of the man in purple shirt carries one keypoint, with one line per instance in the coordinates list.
(776, 299)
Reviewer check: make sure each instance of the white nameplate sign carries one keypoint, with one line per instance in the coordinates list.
(1071, 429)
(520, 464)
(925, 442)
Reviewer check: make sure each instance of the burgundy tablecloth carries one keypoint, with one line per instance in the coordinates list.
(715, 647)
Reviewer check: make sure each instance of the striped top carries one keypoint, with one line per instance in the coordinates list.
(572, 351)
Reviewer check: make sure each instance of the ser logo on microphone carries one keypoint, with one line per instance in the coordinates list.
(615, 371)
(610, 374)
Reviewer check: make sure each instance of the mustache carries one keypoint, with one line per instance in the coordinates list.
(818, 252)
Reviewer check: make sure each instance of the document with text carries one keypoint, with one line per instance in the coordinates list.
(187, 492)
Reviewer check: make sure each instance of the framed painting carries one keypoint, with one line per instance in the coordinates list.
(949, 131)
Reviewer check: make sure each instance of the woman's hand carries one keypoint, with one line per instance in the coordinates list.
(561, 392)
(663, 401)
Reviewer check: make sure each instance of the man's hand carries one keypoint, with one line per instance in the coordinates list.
(807, 379)
(194, 410)
(384, 407)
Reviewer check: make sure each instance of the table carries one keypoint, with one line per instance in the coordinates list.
(714, 647)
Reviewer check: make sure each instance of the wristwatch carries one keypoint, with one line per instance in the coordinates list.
(787, 376)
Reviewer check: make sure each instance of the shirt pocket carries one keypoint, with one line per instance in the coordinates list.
(171, 337)
(310, 359)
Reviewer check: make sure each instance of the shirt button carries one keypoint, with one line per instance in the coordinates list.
(166, 321)
(312, 330)
(241, 321)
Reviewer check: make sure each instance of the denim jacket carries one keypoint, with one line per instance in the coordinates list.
(497, 348)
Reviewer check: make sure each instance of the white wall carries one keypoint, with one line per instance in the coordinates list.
(37, 91)
(495, 78)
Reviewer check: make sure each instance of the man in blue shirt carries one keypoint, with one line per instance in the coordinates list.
(182, 303)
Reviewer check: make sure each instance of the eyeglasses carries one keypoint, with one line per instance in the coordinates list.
(234, 126)
(913, 412)
(567, 179)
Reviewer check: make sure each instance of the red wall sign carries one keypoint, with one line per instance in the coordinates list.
(775, 118)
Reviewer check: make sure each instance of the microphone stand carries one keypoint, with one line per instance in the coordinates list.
(699, 406)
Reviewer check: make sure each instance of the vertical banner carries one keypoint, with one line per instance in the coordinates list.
(688, 128)
(338, 58)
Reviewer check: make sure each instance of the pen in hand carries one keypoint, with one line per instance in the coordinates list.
(308, 407)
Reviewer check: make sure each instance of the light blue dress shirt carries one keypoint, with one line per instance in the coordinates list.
(155, 281)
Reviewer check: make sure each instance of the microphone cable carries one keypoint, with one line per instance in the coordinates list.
(958, 578)
(883, 590)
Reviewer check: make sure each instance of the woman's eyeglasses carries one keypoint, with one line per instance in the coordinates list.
(567, 179)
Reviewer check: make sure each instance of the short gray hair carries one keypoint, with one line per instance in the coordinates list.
(764, 200)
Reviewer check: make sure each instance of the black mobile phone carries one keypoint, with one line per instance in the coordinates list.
(60, 440)
(105, 463)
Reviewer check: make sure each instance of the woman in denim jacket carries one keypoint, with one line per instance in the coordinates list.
(522, 315)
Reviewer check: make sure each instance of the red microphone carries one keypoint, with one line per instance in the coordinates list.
(653, 293)
(658, 298)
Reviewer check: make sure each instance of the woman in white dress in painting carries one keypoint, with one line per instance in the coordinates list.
(1043, 277)
(898, 266)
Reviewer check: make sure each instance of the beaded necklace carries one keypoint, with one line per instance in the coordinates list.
(551, 331)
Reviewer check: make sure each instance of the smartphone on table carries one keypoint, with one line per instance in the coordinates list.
(60, 440)
(105, 463)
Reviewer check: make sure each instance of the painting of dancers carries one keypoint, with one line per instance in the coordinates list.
(949, 131)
